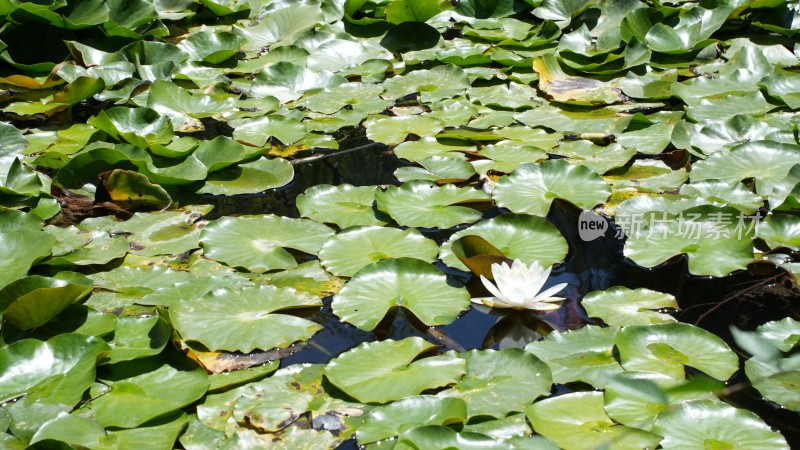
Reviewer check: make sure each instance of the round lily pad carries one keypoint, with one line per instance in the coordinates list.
(619, 305)
(419, 204)
(393, 419)
(394, 130)
(714, 424)
(716, 240)
(405, 282)
(249, 178)
(379, 372)
(575, 419)
(517, 236)
(349, 251)
(32, 301)
(258, 243)
(245, 320)
(499, 382)
(668, 347)
(584, 355)
(344, 205)
(531, 188)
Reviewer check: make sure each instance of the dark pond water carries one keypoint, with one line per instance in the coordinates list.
(744, 299)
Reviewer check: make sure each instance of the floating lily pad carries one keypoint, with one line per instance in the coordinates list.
(258, 243)
(245, 320)
(773, 382)
(380, 372)
(531, 188)
(721, 425)
(249, 178)
(33, 301)
(576, 419)
(716, 240)
(388, 421)
(143, 389)
(517, 236)
(138, 337)
(344, 205)
(394, 130)
(499, 382)
(437, 168)
(622, 306)
(349, 251)
(405, 282)
(584, 355)
(258, 132)
(668, 347)
(781, 230)
(419, 204)
(439, 83)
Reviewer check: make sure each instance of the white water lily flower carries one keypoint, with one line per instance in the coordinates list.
(518, 287)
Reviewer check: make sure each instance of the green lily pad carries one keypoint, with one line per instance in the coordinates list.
(138, 337)
(19, 250)
(517, 236)
(499, 382)
(774, 383)
(721, 193)
(405, 282)
(249, 178)
(288, 81)
(722, 426)
(598, 158)
(349, 251)
(78, 247)
(780, 230)
(159, 233)
(212, 46)
(622, 306)
(531, 188)
(437, 168)
(668, 347)
(71, 364)
(344, 205)
(183, 107)
(393, 419)
(419, 204)
(728, 106)
(361, 97)
(439, 83)
(437, 436)
(717, 241)
(258, 243)
(584, 355)
(33, 301)
(245, 320)
(394, 130)
(258, 132)
(307, 277)
(428, 146)
(783, 334)
(636, 398)
(137, 391)
(139, 126)
(578, 420)
(380, 372)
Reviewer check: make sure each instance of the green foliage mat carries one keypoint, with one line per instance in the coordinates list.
(131, 318)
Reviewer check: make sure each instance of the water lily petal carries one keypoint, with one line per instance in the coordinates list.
(490, 286)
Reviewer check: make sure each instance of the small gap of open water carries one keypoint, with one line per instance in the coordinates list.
(741, 299)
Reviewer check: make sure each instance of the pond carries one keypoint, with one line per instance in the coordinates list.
(399, 224)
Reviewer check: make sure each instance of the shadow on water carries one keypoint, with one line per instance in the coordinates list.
(742, 299)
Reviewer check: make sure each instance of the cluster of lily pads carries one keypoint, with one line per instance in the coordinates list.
(130, 319)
